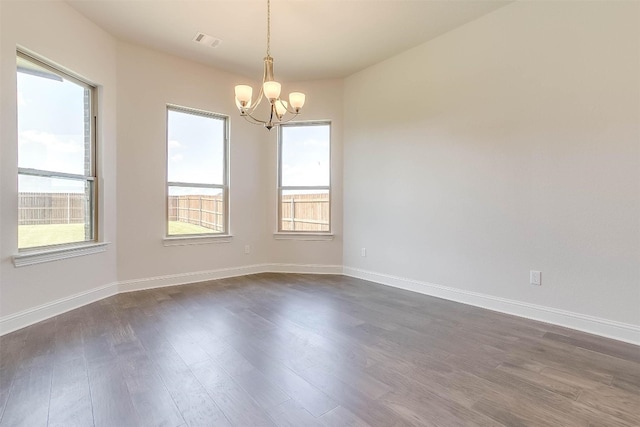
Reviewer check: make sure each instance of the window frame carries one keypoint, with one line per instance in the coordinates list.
(225, 176)
(91, 177)
(280, 188)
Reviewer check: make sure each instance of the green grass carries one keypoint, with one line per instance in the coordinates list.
(32, 236)
(177, 228)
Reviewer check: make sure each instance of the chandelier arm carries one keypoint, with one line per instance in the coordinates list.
(253, 120)
(289, 119)
(271, 114)
(250, 118)
(286, 106)
(291, 110)
(255, 105)
(258, 101)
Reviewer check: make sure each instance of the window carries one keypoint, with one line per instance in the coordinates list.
(56, 156)
(304, 177)
(197, 192)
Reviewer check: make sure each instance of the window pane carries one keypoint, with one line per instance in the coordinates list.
(305, 155)
(54, 121)
(305, 210)
(53, 211)
(194, 210)
(195, 148)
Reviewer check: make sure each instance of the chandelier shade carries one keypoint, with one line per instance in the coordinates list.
(296, 99)
(271, 90)
(243, 94)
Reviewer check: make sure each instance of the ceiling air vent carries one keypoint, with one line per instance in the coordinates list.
(206, 40)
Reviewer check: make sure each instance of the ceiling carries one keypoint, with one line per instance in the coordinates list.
(310, 39)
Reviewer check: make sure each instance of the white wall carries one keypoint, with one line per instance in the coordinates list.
(61, 35)
(147, 82)
(509, 144)
(323, 102)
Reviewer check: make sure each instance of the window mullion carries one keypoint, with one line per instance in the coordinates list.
(52, 174)
(194, 185)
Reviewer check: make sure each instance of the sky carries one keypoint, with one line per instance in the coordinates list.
(51, 135)
(305, 155)
(196, 144)
(195, 151)
(50, 132)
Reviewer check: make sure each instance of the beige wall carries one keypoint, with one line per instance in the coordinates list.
(324, 102)
(147, 82)
(509, 144)
(135, 84)
(62, 36)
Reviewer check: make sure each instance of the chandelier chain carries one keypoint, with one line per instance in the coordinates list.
(268, 27)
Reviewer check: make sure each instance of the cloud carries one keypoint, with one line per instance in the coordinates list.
(311, 173)
(47, 151)
(55, 143)
(175, 144)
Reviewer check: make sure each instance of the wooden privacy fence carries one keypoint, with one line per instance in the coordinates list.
(300, 212)
(51, 208)
(305, 212)
(197, 209)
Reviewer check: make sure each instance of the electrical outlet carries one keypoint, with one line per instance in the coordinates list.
(363, 252)
(535, 277)
(247, 249)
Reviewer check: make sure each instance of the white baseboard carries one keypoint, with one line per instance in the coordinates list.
(186, 278)
(223, 273)
(590, 324)
(594, 325)
(24, 318)
(33, 315)
(304, 268)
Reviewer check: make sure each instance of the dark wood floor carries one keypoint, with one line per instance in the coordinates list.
(307, 350)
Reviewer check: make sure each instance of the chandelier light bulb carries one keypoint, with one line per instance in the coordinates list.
(281, 107)
(271, 90)
(243, 95)
(296, 99)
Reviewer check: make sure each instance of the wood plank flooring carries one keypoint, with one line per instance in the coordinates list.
(309, 350)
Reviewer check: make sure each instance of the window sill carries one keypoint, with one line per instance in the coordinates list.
(303, 236)
(196, 240)
(39, 257)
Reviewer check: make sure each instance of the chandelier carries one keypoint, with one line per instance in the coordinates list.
(271, 91)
